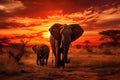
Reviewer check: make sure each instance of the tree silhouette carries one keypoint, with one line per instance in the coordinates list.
(3, 41)
(86, 43)
(21, 51)
(78, 46)
(113, 35)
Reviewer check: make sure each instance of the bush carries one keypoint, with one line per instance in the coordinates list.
(8, 65)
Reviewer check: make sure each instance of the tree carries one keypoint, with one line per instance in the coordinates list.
(21, 53)
(78, 46)
(113, 35)
(3, 41)
(86, 42)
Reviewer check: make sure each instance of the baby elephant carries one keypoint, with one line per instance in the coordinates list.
(42, 52)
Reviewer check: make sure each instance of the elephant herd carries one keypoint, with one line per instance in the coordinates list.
(60, 39)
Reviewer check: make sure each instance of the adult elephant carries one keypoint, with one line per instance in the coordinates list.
(42, 52)
(61, 37)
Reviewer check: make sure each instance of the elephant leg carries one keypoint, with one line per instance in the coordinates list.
(46, 61)
(66, 59)
(37, 60)
(57, 58)
(63, 61)
(65, 53)
(42, 61)
(53, 46)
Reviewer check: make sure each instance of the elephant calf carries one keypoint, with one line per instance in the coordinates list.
(42, 52)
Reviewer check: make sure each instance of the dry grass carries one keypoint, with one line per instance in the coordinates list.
(98, 59)
(84, 65)
(8, 65)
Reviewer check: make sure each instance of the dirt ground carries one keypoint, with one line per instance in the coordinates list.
(81, 67)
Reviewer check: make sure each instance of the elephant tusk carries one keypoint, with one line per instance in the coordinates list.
(61, 44)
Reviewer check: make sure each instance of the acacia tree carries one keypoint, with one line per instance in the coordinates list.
(114, 35)
(21, 51)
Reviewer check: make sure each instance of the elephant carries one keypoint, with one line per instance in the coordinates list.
(42, 51)
(61, 36)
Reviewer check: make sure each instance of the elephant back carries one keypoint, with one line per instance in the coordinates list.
(77, 31)
(44, 48)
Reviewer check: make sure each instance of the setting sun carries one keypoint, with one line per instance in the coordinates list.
(46, 34)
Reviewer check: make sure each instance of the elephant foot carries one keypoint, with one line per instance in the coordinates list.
(41, 64)
(37, 63)
(60, 64)
(63, 65)
(67, 61)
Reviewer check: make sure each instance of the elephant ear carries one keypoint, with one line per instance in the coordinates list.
(77, 31)
(34, 48)
(55, 31)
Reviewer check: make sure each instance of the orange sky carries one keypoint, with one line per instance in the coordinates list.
(30, 20)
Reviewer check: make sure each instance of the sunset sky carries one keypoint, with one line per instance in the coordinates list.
(31, 19)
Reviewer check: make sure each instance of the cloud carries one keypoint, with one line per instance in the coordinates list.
(10, 6)
(19, 22)
(7, 25)
(91, 14)
(35, 8)
(31, 19)
(9, 9)
(43, 8)
(108, 18)
(23, 36)
(32, 37)
(109, 15)
(96, 18)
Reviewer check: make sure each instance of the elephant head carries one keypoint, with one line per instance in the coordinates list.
(76, 29)
(38, 50)
(64, 34)
(34, 48)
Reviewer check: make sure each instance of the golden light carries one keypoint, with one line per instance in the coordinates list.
(46, 34)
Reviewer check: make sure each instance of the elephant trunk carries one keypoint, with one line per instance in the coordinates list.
(65, 53)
